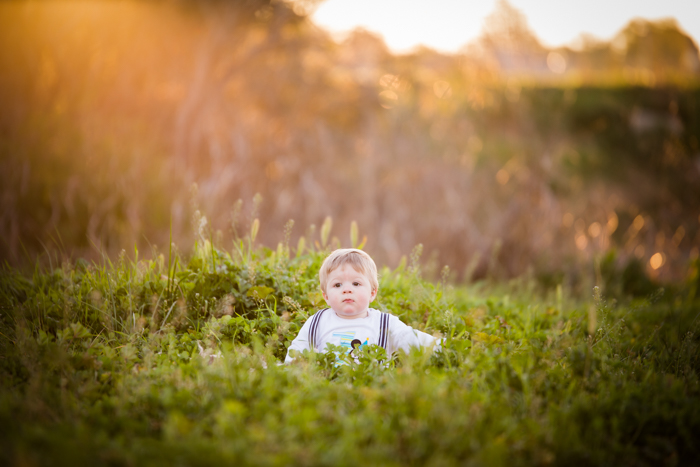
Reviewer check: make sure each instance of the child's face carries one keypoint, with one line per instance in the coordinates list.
(349, 292)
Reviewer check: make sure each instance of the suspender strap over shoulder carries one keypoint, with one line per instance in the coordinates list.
(383, 329)
(313, 331)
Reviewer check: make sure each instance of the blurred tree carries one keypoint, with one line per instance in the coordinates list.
(508, 39)
(109, 110)
(659, 46)
(592, 56)
(257, 29)
(363, 54)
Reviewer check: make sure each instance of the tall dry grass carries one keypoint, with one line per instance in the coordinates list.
(112, 111)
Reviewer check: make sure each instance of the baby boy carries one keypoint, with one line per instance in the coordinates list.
(349, 284)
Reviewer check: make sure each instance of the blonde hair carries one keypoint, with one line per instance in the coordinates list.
(358, 259)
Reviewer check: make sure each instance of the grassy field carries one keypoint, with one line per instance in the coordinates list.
(177, 361)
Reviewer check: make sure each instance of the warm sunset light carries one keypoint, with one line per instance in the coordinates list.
(447, 25)
(138, 101)
(349, 232)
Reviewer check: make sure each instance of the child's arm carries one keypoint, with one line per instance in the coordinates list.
(403, 337)
(301, 342)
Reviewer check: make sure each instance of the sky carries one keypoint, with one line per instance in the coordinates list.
(446, 25)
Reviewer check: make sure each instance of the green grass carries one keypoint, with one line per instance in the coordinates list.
(168, 361)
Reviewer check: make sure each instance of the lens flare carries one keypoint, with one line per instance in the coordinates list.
(594, 229)
(502, 176)
(656, 261)
(612, 222)
(387, 99)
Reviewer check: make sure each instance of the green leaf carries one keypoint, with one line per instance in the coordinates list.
(43, 337)
(260, 291)
(487, 338)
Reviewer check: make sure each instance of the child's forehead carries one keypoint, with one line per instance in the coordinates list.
(346, 268)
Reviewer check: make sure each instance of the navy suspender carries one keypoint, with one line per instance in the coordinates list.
(383, 329)
(313, 330)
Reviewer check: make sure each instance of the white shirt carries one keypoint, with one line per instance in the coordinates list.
(339, 331)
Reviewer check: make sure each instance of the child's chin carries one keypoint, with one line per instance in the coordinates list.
(350, 313)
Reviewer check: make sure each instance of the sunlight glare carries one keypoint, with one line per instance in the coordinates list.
(678, 236)
(594, 229)
(612, 222)
(556, 62)
(581, 241)
(387, 99)
(388, 80)
(502, 176)
(447, 25)
(656, 261)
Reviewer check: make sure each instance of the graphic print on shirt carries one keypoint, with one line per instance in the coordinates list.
(347, 339)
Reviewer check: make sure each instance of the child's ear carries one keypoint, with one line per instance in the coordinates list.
(374, 295)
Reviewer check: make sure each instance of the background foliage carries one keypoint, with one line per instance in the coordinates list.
(505, 157)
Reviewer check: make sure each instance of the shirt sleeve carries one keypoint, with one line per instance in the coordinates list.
(301, 342)
(403, 336)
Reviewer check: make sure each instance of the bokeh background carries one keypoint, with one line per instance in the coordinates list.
(127, 123)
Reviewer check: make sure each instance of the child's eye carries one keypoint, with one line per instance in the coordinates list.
(337, 284)
(356, 284)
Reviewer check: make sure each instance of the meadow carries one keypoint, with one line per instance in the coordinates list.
(177, 360)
